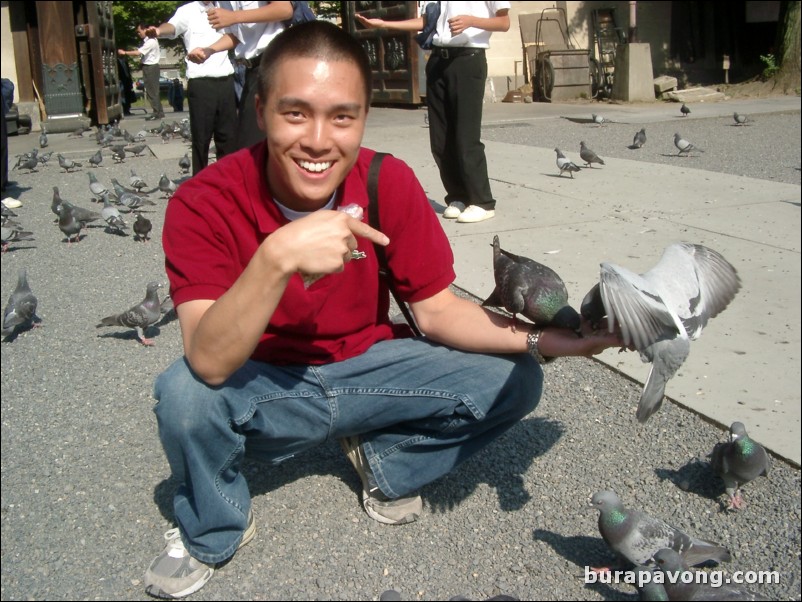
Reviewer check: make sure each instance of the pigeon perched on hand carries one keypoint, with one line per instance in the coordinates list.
(20, 312)
(640, 139)
(740, 119)
(660, 311)
(588, 156)
(690, 588)
(684, 110)
(524, 286)
(140, 316)
(142, 227)
(565, 164)
(739, 461)
(637, 536)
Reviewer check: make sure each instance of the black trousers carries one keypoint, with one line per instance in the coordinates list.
(248, 131)
(212, 115)
(150, 75)
(455, 89)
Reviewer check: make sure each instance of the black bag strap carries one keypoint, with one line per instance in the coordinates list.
(373, 220)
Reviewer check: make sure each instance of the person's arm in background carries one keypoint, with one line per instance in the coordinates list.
(220, 18)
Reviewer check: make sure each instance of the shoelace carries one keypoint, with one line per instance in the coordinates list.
(175, 547)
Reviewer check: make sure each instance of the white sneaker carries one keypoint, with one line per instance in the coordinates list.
(454, 210)
(474, 214)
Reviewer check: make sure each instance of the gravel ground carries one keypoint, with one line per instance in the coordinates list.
(86, 489)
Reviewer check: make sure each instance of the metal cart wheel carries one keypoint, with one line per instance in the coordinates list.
(596, 77)
(544, 78)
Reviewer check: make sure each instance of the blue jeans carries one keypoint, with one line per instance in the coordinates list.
(419, 408)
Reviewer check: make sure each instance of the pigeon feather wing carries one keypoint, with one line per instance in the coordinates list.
(636, 305)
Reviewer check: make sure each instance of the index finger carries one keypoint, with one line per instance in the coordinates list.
(363, 230)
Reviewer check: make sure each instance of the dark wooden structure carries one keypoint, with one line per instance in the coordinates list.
(398, 62)
(66, 61)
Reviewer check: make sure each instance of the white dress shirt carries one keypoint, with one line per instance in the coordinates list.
(191, 23)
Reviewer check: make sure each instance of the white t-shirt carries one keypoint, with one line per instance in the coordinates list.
(253, 37)
(190, 22)
(471, 37)
(150, 51)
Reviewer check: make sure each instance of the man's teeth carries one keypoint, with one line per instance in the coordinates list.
(315, 167)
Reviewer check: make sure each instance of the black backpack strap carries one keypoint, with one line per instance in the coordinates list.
(373, 220)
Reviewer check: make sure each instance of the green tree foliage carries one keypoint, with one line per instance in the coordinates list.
(128, 14)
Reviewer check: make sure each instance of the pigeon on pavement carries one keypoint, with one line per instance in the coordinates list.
(43, 141)
(67, 164)
(565, 164)
(112, 215)
(640, 139)
(142, 227)
(588, 156)
(740, 119)
(96, 159)
(185, 163)
(45, 157)
(68, 224)
(28, 163)
(20, 312)
(660, 311)
(137, 149)
(118, 153)
(524, 286)
(95, 187)
(13, 234)
(648, 587)
(684, 110)
(140, 316)
(637, 536)
(598, 119)
(684, 146)
(739, 461)
(694, 588)
(167, 186)
(136, 182)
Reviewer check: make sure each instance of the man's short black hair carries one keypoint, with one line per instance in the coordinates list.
(314, 39)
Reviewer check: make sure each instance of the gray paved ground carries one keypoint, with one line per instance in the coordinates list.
(86, 490)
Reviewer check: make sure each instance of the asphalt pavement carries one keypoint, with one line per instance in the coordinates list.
(86, 489)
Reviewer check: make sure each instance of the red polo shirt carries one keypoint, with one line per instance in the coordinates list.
(216, 220)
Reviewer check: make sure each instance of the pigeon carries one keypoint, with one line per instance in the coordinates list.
(565, 164)
(648, 586)
(20, 312)
(588, 156)
(660, 311)
(13, 234)
(45, 157)
(637, 536)
(67, 164)
(112, 215)
(684, 146)
(184, 163)
(167, 135)
(142, 227)
(68, 224)
(524, 286)
(95, 187)
(136, 182)
(740, 119)
(696, 588)
(96, 159)
(684, 110)
(167, 186)
(739, 461)
(118, 153)
(82, 215)
(140, 316)
(640, 139)
(598, 119)
(43, 142)
(137, 149)
(28, 163)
